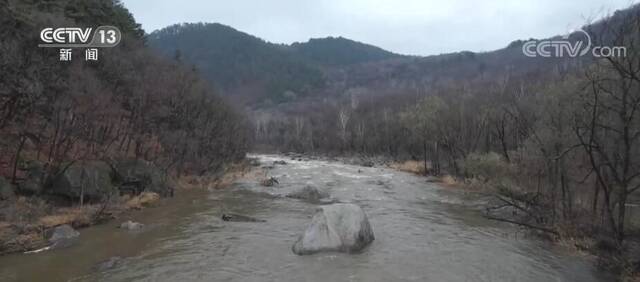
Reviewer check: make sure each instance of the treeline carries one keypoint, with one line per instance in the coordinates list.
(559, 144)
(128, 104)
(339, 51)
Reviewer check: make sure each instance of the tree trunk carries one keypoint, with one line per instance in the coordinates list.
(424, 151)
(17, 158)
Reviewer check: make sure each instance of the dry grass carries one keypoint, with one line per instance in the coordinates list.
(192, 182)
(449, 181)
(415, 167)
(145, 199)
(78, 216)
(228, 178)
(233, 173)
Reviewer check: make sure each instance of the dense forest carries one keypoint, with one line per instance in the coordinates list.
(557, 139)
(129, 105)
(252, 71)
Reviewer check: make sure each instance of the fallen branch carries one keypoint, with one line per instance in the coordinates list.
(524, 224)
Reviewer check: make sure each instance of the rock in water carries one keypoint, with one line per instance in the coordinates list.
(131, 225)
(108, 264)
(309, 193)
(63, 236)
(240, 218)
(337, 227)
(271, 181)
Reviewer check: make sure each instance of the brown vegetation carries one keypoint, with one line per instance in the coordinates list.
(414, 167)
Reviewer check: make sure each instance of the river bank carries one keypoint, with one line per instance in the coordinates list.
(29, 220)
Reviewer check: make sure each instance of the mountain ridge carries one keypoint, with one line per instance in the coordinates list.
(258, 73)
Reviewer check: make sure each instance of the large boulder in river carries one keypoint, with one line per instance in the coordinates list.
(309, 193)
(140, 175)
(337, 227)
(91, 179)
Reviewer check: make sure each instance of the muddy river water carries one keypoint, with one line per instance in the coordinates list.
(423, 233)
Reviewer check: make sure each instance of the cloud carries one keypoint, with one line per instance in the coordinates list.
(417, 27)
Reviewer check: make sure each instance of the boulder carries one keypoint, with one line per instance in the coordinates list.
(139, 175)
(34, 178)
(6, 189)
(93, 179)
(337, 227)
(280, 162)
(131, 225)
(309, 193)
(268, 182)
(63, 236)
(367, 163)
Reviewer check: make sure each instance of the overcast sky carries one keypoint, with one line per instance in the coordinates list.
(415, 27)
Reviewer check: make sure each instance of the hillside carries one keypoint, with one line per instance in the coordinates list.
(130, 103)
(254, 71)
(236, 62)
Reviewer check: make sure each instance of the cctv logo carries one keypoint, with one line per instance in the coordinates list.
(70, 37)
(65, 35)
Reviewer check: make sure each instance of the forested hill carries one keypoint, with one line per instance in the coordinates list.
(231, 59)
(242, 65)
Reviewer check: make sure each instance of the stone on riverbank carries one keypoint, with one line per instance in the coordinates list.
(6, 189)
(90, 179)
(139, 175)
(33, 184)
(337, 227)
(63, 236)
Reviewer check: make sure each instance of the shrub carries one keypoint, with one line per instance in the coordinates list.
(487, 167)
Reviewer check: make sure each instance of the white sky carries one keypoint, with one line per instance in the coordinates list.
(414, 27)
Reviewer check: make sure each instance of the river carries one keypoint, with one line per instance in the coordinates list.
(423, 233)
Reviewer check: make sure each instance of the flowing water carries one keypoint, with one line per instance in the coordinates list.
(423, 233)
